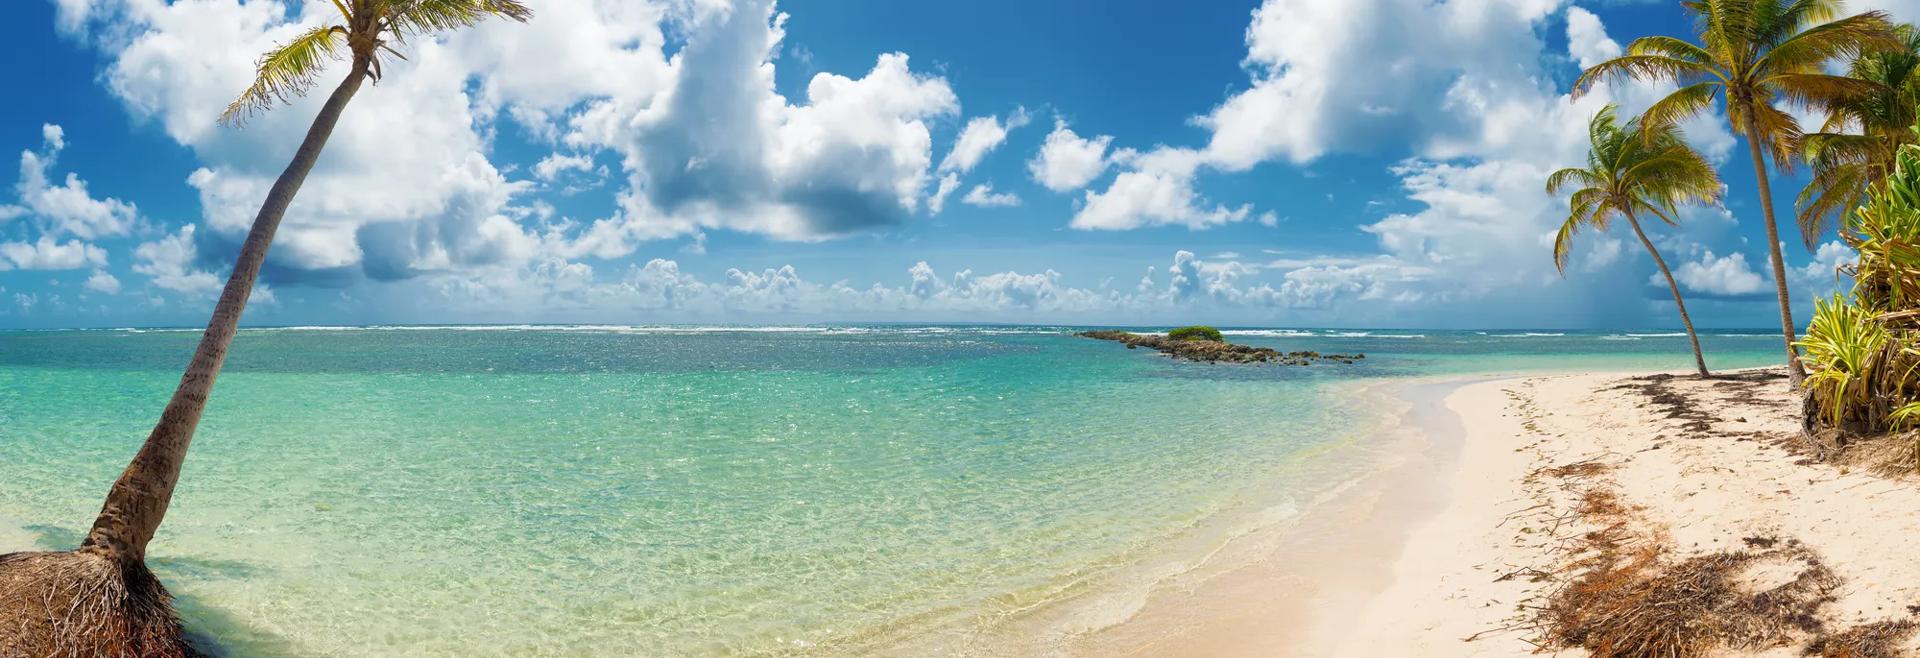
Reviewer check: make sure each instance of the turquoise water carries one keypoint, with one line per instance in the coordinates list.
(596, 491)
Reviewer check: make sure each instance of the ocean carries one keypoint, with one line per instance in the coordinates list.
(714, 491)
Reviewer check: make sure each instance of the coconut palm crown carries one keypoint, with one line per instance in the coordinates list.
(1753, 54)
(368, 32)
(1632, 170)
(1856, 145)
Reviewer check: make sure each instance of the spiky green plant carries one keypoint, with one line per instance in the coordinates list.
(1752, 54)
(1846, 342)
(1863, 349)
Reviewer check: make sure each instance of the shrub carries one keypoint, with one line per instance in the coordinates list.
(1863, 348)
(1197, 332)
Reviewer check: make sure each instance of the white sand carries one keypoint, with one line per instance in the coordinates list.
(1412, 564)
(1706, 489)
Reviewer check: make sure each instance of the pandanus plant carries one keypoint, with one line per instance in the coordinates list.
(100, 600)
(1863, 348)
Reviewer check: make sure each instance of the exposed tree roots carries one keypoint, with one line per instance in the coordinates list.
(83, 604)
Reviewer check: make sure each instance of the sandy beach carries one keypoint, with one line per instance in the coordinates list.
(1463, 550)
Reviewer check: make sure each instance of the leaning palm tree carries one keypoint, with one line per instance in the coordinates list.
(100, 599)
(1754, 53)
(1633, 169)
(1856, 145)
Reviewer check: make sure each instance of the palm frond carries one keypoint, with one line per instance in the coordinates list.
(1643, 68)
(1841, 39)
(1563, 243)
(287, 72)
(1683, 103)
(414, 17)
(1663, 46)
(1560, 179)
(1818, 90)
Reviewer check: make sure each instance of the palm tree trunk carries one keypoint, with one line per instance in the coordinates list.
(1795, 373)
(139, 498)
(1699, 360)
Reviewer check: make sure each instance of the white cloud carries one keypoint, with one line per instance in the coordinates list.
(552, 166)
(1067, 161)
(1722, 276)
(1824, 274)
(169, 262)
(982, 195)
(103, 282)
(721, 149)
(938, 202)
(66, 207)
(1364, 74)
(1587, 39)
(978, 138)
(1158, 191)
(49, 254)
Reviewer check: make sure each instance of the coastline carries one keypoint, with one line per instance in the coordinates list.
(1565, 483)
(1289, 589)
(1415, 556)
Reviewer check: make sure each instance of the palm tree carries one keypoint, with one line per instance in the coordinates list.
(1634, 169)
(100, 599)
(1856, 145)
(1754, 52)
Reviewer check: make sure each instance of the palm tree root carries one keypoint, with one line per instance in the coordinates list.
(84, 604)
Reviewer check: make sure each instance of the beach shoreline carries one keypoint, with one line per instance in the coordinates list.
(1289, 590)
(1455, 551)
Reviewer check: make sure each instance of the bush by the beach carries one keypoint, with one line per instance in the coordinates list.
(1862, 348)
(1197, 332)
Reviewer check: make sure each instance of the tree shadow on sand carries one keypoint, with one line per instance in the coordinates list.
(212, 632)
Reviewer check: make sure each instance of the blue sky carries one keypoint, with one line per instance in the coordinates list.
(1375, 163)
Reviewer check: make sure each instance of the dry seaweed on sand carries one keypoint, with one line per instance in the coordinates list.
(1631, 601)
(1876, 640)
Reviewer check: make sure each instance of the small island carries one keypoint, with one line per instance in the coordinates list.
(1205, 344)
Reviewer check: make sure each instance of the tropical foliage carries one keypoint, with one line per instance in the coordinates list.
(1752, 54)
(1863, 348)
(1633, 170)
(1855, 147)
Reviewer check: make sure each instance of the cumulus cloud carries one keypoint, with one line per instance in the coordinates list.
(66, 207)
(1067, 161)
(702, 139)
(170, 263)
(1717, 276)
(553, 166)
(721, 149)
(982, 195)
(938, 201)
(1158, 191)
(1826, 272)
(47, 253)
(101, 281)
(978, 138)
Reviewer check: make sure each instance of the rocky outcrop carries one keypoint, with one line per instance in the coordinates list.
(1210, 351)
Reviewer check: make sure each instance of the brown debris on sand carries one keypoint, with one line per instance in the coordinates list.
(1210, 351)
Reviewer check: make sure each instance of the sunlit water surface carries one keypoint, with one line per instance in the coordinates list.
(702, 492)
